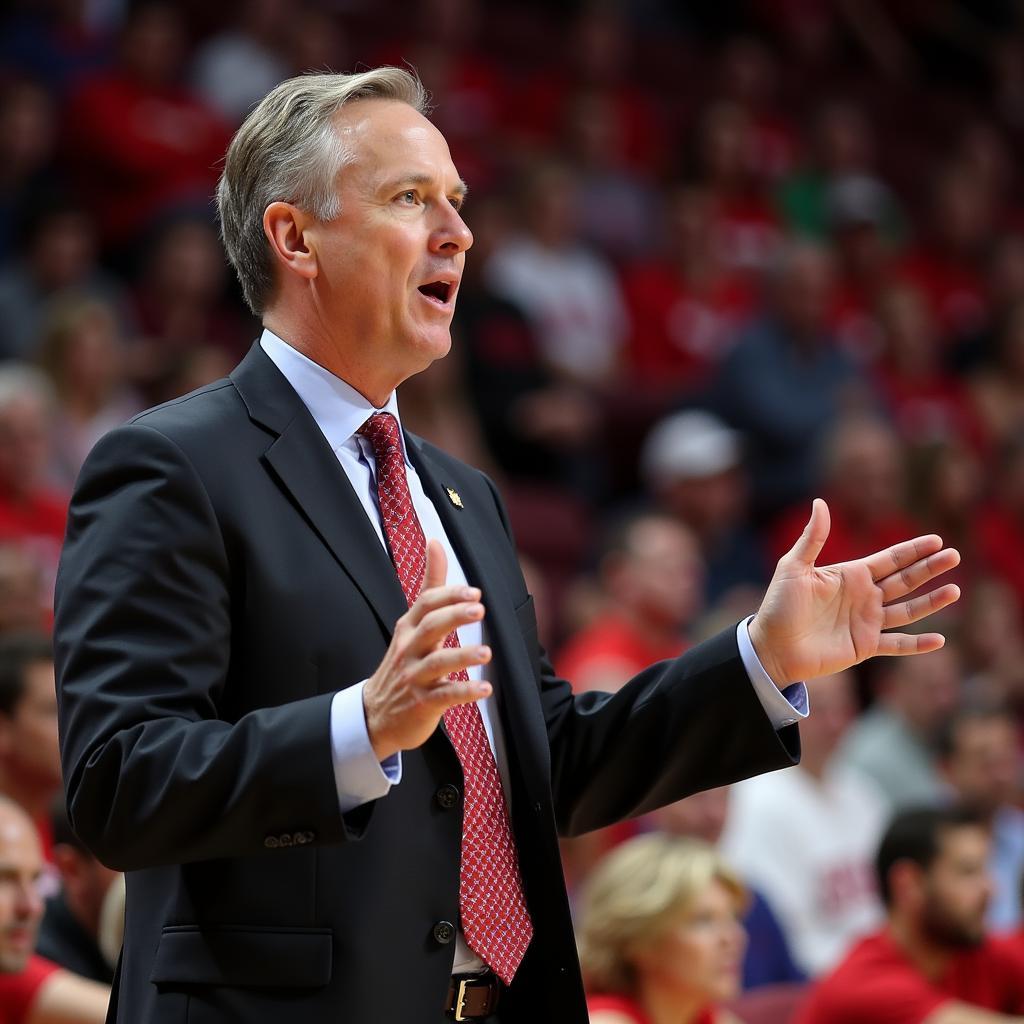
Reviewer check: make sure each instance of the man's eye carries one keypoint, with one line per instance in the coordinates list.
(408, 197)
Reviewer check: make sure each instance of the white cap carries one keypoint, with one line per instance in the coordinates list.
(689, 446)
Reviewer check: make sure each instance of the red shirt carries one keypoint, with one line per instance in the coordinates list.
(18, 991)
(606, 645)
(628, 1008)
(877, 983)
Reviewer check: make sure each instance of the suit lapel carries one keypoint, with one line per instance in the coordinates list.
(303, 463)
(464, 528)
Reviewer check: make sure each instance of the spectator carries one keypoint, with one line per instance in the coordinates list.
(980, 757)
(815, 870)
(863, 478)
(83, 354)
(235, 69)
(32, 514)
(28, 133)
(651, 579)
(59, 245)
(568, 291)
(692, 465)
(997, 387)
(932, 963)
(70, 931)
(768, 960)
(685, 307)
(893, 743)
(659, 934)
(786, 383)
(33, 990)
(993, 644)
(22, 603)
(1000, 523)
(139, 144)
(29, 759)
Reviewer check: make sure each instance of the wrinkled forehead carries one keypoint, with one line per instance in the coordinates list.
(388, 138)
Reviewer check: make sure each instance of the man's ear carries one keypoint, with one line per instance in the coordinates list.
(285, 226)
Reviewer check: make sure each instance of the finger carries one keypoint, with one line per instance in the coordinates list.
(450, 694)
(439, 597)
(439, 665)
(436, 625)
(899, 556)
(812, 540)
(900, 644)
(905, 612)
(907, 580)
(436, 572)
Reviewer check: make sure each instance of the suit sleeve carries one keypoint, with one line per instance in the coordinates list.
(143, 649)
(680, 726)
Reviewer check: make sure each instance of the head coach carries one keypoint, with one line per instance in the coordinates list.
(302, 700)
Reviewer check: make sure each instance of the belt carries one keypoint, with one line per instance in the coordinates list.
(472, 996)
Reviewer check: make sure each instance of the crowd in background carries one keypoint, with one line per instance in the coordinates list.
(727, 258)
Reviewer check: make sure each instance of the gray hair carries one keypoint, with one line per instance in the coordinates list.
(287, 150)
(19, 381)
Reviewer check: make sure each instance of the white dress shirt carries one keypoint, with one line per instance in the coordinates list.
(339, 411)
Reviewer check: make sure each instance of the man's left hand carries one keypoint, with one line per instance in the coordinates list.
(818, 620)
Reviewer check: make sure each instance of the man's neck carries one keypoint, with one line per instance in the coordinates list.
(652, 633)
(930, 958)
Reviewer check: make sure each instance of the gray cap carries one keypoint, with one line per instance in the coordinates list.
(858, 199)
(689, 446)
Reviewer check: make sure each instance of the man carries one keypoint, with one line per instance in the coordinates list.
(650, 573)
(893, 743)
(69, 934)
(932, 964)
(265, 610)
(33, 990)
(29, 757)
(815, 869)
(980, 758)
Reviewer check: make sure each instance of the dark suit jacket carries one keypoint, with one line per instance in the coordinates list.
(220, 581)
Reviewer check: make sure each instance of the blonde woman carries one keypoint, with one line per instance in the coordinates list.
(660, 936)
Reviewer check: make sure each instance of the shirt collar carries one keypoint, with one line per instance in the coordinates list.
(338, 409)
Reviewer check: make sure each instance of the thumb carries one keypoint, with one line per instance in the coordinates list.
(812, 540)
(436, 572)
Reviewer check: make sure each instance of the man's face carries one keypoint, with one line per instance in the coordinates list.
(21, 906)
(30, 742)
(389, 265)
(957, 888)
(985, 764)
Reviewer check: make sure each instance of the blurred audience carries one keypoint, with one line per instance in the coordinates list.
(650, 577)
(659, 934)
(81, 351)
(692, 466)
(932, 963)
(29, 757)
(32, 512)
(768, 960)
(980, 755)
(69, 934)
(894, 742)
(786, 382)
(568, 291)
(23, 604)
(34, 990)
(805, 837)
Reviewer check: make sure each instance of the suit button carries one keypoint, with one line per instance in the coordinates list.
(286, 839)
(444, 932)
(448, 796)
(271, 843)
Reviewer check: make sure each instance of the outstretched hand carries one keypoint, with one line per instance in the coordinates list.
(818, 620)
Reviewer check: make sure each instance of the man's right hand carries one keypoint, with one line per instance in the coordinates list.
(410, 691)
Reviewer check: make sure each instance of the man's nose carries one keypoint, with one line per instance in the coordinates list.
(453, 234)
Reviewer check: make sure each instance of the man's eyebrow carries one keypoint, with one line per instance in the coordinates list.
(461, 189)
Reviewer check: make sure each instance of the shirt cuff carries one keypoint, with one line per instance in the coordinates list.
(358, 775)
(783, 707)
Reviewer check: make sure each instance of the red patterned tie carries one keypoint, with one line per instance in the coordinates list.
(493, 910)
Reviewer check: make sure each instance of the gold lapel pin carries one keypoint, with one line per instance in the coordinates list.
(453, 497)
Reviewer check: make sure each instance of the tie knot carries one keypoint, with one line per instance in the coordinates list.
(381, 430)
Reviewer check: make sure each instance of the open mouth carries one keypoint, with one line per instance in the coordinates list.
(437, 291)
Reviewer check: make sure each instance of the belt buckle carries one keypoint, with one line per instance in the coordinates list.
(460, 1000)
